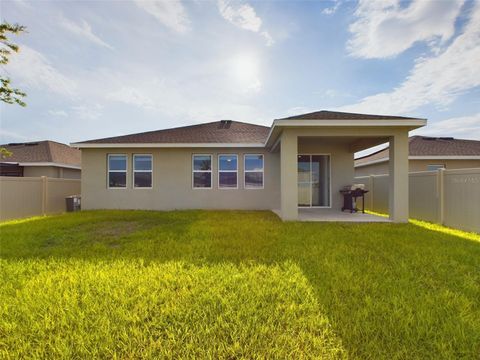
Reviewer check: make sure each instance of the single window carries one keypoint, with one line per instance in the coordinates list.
(253, 171)
(433, 167)
(227, 171)
(117, 171)
(202, 171)
(142, 171)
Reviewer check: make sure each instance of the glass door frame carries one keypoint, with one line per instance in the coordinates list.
(329, 181)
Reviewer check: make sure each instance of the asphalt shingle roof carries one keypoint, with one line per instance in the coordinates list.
(224, 131)
(336, 115)
(43, 151)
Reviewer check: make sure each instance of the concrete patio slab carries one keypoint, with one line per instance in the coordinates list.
(331, 215)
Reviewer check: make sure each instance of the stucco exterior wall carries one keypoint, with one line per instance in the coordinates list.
(374, 169)
(421, 165)
(416, 165)
(51, 172)
(36, 171)
(172, 182)
(66, 173)
(172, 179)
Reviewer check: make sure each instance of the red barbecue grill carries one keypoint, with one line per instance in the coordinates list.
(350, 194)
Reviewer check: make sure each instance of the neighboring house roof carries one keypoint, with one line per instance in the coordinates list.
(43, 153)
(224, 131)
(336, 115)
(426, 147)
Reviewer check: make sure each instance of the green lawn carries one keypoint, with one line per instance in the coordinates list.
(198, 284)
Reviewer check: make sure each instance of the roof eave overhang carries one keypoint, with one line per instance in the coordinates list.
(44, 163)
(165, 145)
(278, 124)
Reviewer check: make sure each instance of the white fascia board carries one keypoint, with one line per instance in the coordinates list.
(445, 157)
(50, 164)
(167, 145)
(426, 157)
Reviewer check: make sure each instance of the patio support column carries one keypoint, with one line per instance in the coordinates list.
(398, 170)
(288, 176)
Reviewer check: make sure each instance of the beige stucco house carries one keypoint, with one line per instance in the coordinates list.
(41, 158)
(426, 153)
(300, 162)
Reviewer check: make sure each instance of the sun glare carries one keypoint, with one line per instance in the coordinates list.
(245, 70)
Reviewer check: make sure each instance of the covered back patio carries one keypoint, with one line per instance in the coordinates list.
(317, 161)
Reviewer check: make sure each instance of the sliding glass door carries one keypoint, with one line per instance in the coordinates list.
(314, 180)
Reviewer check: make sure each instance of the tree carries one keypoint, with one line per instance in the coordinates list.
(4, 153)
(8, 94)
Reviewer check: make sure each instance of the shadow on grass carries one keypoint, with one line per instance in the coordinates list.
(389, 290)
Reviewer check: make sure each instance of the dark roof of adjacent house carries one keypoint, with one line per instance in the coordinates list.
(336, 115)
(223, 131)
(45, 151)
(429, 146)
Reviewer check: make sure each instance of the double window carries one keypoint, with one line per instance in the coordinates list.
(253, 171)
(117, 171)
(228, 171)
(142, 171)
(202, 171)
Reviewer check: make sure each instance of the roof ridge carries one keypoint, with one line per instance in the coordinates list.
(49, 152)
(352, 115)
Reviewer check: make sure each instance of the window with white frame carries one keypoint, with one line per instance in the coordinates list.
(227, 171)
(142, 171)
(202, 171)
(117, 171)
(253, 171)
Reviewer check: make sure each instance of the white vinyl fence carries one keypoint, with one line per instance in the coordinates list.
(30, 196)
(448, 197)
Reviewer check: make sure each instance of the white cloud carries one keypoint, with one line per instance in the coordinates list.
(132, 96)
(83, 30)
(438, 79)
(466, 127)
(171, 13)
(87, 112)
(244, 17)
(5, 134)
(34, 70)
(268, 38)
(384, 28)
(333, 9)
(59, 113)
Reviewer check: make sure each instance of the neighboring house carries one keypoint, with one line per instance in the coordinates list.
(299, 162)
(41, 158)
(425, 153)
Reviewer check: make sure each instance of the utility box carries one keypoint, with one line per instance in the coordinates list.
(73, 203)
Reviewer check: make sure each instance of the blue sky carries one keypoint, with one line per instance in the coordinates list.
(96, 69)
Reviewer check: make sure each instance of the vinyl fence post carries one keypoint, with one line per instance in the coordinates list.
(441, 195)
(44, 195)
(370, 187)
